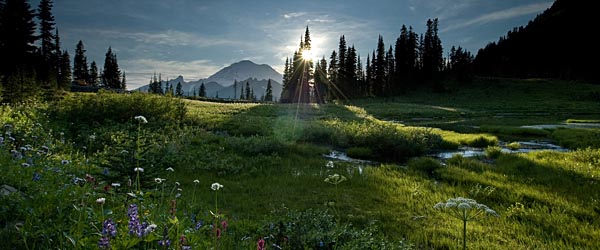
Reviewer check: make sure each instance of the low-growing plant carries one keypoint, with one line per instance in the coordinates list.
(425, 165)
(466, 210)
(514, 146)
(493, 152)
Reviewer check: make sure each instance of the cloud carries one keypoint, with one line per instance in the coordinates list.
(293, 15)
(167, 37)
(139, 71)
(501, 15)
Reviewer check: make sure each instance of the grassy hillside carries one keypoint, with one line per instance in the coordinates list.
(278, 186)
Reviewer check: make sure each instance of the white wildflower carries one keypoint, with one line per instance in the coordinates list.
(150, 229)
(329, 164)
(197, 181)
(65, 162)
(170, 169)
(158, 180)
(138, 170)
(116, 184)
(141, 119)
(216, 186)
(25, 165)
(101, 200)
(177, 183)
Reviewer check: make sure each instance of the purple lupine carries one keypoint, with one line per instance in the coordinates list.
(165, 242)
(109, 230)
(104, 243)
(36, 176)
(134, 221)
(199, 224)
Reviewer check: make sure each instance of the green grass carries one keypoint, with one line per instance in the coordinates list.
(269, 157)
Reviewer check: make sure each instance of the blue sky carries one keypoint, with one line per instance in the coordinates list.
(195, 38)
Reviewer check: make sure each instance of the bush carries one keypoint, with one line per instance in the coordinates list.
(426, 165)
(514, 146)
(493, 152)
(466, 163)
(359, 152)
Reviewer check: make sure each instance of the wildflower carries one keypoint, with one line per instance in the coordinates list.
(107, 188)
(36, 176)
(216, 186)
(329, 164)
(260, 245)
(132, 195)
(23, 148)
(25, 165)
(12, 139)
(178, 195)
(65, 162)
(100, 200)
(104, 243)
(116, 185)
(92, 137)
(164, 243)
(109, 228)
(159, 180)
(78, 181)
(170, 169)
(134, 221)
(138, 170)
(224, 225)
(165, 240)
(45, 148)
(141, 119)
(149, 229)
(218, 233)
(199, 224)
(197, 181)
(177, 183)
(124, 152)
(89, 178)
(335, 179)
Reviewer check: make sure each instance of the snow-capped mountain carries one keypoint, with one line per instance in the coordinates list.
(221, 84)
(244, 70)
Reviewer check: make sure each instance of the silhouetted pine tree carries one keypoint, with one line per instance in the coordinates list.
(268, 92)
(432, 55)
(47, 71)
(65, 77)
(235, 83)
(248, 95)
(379, 65)
(321, 81)
(179, 90)
(111, 76)
(17, 48)
(80, 66)
(93, 75)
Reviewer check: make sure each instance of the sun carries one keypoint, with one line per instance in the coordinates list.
(308, 55)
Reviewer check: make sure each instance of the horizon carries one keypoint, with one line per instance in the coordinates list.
(197, 39)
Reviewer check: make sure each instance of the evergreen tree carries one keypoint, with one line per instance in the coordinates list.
(93, 75)
(242, 93)
(379, 66)
(179, 90)
(268, 92)
(57, 61)
(432, 54)
(111, 75)
(123, 82)
(333, 67)
(202, 92)
(64, 80)
(48, 68)
(46, 28)
(368, 76)
(248, 91)
(80, 67)
(321, 81)
(171, 91)
(340, 80)
(389, 72)
(235, 85)
(17, 48)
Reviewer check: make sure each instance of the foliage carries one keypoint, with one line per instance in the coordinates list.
(493, 152)
(426, 165)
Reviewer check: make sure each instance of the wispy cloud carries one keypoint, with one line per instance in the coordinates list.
(167, 37)
(501, 15)
(293, 15)
(139, 71)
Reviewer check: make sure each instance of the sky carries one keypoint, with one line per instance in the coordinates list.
(196, 38)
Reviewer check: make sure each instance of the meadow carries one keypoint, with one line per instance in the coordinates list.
(137, 171)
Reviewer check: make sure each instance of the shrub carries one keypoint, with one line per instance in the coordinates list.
(359, 152)
(493, 152)
(426, 165)
(514, 146)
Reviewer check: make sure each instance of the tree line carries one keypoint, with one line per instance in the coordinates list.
(413, 61)
(155, 87)
(33, 61)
